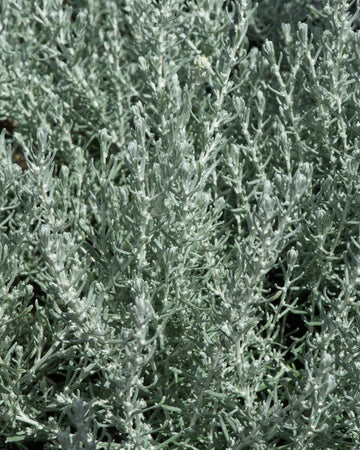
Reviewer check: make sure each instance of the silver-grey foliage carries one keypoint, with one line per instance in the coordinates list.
(180, 248)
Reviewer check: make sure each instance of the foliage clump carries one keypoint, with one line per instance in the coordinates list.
(179, 224)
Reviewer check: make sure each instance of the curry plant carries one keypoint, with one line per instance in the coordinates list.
(179, 224)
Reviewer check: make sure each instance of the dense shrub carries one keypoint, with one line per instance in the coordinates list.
(179, 224)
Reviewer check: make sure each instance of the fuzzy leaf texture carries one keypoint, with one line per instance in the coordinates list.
(179, 224)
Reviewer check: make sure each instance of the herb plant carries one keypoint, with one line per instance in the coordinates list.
(179, 224)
